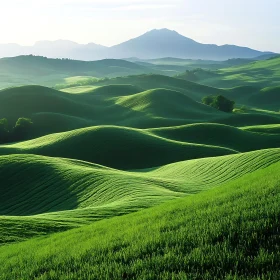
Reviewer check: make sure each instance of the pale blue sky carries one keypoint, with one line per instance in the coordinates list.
(253, 23)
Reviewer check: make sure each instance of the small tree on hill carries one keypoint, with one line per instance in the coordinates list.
(219, 102)
(22, 128)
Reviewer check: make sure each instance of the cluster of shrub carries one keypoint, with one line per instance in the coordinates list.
(18, 132)
(219, 102)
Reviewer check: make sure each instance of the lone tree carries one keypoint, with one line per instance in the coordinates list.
(219, 102)
(22, 128)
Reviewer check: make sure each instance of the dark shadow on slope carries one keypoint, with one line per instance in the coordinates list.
(30, 187)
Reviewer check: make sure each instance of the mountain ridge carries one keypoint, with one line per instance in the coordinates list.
(155, 43)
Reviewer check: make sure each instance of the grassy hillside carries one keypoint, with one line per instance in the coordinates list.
(165, 103)
(118, 147)
(146, 82)
(28, 100)
(144, 148)
(26, 70)
(125, 174)
(259, 73)
(221, 135)
(55, 184)
(271, 129)
(227, 233)
(267, 98)
(63, 193)
(110, 147)
(248, 94)
(135, 101)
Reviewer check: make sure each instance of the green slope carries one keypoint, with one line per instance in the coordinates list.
(227, 233)
(28, 100)
(268, 129)
(17, 229)
(267, 98)
(147, 82)
(128, 148)
(55, 184)
(165, 103)
(63, 193)
(48, 72)
(102, 105)
(259, 73)
(118, 147)
(115, 90)
(264, 98)
(241, 140)
(124, 105)
(242, 93)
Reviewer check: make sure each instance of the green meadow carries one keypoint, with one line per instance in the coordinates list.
(124, 173)
(259, 74)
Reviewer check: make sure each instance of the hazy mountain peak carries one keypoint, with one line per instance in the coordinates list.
(163, 30)
(156, 43)
(165, 33)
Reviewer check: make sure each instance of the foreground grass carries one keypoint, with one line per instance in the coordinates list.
(17, 229)
(231, 232)
(59, 194)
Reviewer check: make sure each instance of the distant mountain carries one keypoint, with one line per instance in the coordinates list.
(153, 44)
(167, 43)
(55, 49)
(7, 50)
(67, 49)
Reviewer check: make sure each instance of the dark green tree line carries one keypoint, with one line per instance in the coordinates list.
(18, 132)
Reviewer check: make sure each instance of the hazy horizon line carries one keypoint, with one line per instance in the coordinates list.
(109, 46)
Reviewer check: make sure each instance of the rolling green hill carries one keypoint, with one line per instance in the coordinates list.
(56, 111)
(26, 70)
(204, 183)
(130, 105)
(118, 147)
(193, 90)
(64, 72)
(267, 98)
(56, 184)
(221, 135)
(45, 195)
(264, 73)
(143, 148)
(28, 100)
(173, 104)
(235, 225)
(270, 129)
(242, 93)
